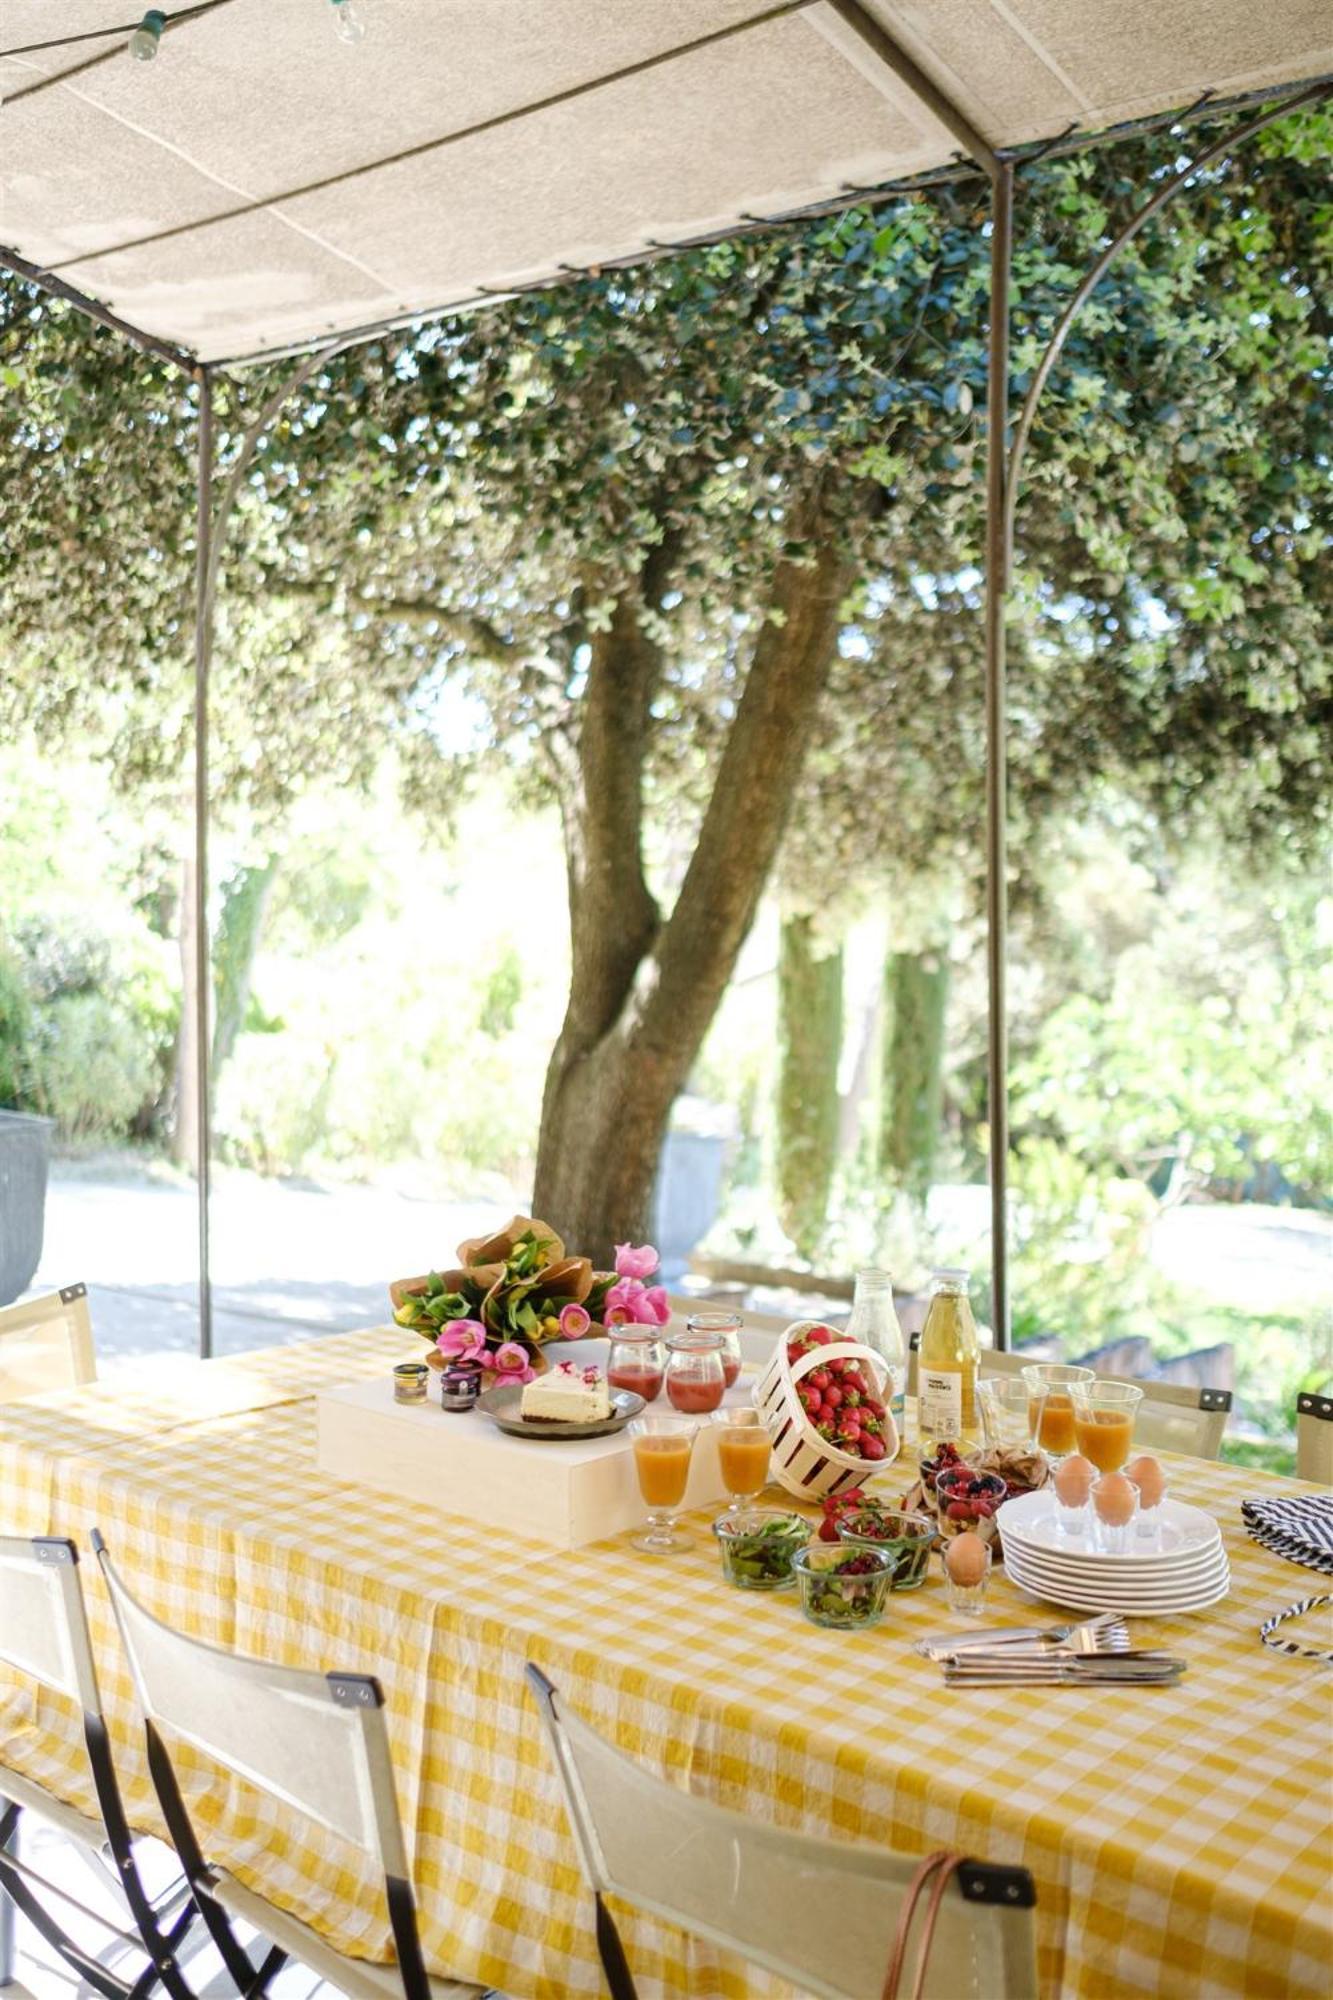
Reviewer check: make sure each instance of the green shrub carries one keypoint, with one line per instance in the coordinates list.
(91, 1066)
(15, 1029)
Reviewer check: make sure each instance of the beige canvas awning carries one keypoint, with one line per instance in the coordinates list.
(261, 185)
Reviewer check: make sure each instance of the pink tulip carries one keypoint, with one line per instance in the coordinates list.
(615, 1315)
(513, 1377)
(635, 1261)
(574, 1321)
(462, 1340)
(510, 1356)
(654, 1308)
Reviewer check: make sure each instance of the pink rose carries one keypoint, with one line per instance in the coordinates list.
(574, 1321)
(462, 1340)
(635, 1261)
(509, 1358)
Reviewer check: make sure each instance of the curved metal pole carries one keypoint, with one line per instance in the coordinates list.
(1097, 272)
(212, 518)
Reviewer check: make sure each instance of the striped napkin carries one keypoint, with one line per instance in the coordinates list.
(1300, 1527)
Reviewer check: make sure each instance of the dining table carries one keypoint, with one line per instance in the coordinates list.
(1180, 1837)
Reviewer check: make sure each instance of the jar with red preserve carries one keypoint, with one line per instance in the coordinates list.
(695, 1382)
(637, 1361)
(728, 1326)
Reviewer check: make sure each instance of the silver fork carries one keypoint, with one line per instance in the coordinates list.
(1105, 1633)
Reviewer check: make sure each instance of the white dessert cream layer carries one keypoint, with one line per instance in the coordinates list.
(567, 1395)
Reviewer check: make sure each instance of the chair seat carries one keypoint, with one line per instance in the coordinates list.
(356, 1977)
(67, 1820)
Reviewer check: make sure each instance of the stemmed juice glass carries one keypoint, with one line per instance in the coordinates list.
(663, 1448)
(1104, 1414)
(743, 1449)
(1051, 1385)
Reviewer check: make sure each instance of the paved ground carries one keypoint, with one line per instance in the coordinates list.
(288, 1260)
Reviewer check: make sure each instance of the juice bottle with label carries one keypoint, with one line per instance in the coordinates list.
(947, 1364)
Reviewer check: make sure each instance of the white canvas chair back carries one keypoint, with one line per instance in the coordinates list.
(767, 1894)
(46, 1343)
(1314, 1437)
(43, 1625)
(315, 1741)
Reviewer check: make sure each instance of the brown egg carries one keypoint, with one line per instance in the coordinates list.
(965, 1559)
(1148, 1476)
(1073, 1481)
(1113, 1499)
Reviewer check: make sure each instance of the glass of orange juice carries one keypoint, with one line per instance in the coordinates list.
(1051, 1386)
(743, 1449)
(1104, 1414)
(663, 1448)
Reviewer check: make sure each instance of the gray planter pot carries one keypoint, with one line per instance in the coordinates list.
(25, 1149)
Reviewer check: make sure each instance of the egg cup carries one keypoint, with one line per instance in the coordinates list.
(1076, 1522)
(1116, 1538)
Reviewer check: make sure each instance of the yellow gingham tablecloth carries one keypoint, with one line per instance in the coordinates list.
(1180, 1837)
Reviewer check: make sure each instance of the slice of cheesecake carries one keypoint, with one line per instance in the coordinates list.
(567, 1394)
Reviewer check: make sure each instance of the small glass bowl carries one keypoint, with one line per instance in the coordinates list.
(907, 1538)
(843, 1588)
(951, 1491)
(758, 1546)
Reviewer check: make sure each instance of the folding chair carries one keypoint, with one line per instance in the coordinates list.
(44, 1634)
(315, 1741)
(46, 1343)
(1314, 1437)
(767, 1894)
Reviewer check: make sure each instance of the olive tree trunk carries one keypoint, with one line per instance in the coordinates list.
(809, 1047)
(643, 987)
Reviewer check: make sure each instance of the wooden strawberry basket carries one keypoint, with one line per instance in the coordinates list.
(806, 1464)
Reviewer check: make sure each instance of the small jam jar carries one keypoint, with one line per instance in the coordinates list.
(637, 1361)
(409, 1382)
(695, 1378)
(728, 1326)
(460, 1385)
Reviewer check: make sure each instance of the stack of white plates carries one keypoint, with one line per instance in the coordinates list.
(1181, 1567)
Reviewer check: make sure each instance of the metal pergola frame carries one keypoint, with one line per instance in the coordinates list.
(1004, 464)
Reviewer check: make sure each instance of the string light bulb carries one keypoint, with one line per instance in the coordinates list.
(144, 40)
(347, 23)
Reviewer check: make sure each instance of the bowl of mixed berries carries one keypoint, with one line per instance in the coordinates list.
(967, 1501)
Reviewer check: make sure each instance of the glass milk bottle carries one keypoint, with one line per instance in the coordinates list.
(947, 1363)
(874, 1323)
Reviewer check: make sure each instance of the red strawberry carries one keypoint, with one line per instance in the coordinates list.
(818, 1336)
(832, 1397)
(875, 1407)
(819, 1378)
(871, 1447)
(811, 1400)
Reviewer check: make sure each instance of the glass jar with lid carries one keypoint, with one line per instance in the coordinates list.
(695, 1379)
(728, 1326)
(637, 1361)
